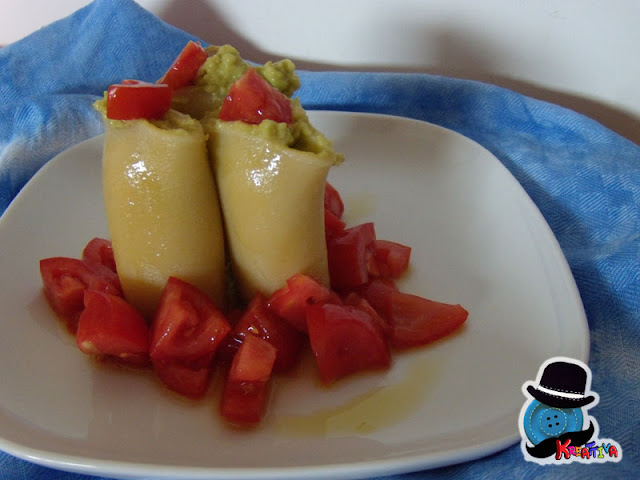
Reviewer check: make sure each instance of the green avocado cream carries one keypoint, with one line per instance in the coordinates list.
(203, 99)
(200, 102)
(221, 69)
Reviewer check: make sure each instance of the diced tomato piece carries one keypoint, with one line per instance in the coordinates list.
(252, 99)
(290, 301)
(186, 381)
(345, 340)
(417, 321)
(391, 259)
(348, 256)
(185, 67)
(100, 251)
(262, 322)
(187, 328)
(243, 402)
(65, 281)
(245, 392)
(332, 200)
(373, 268)
(414, 320)
(360, 303)
(228, 348)
(185, 334)
(254, 361)
(333, 226)
(110, 327)
(378, 293)
(133, 99)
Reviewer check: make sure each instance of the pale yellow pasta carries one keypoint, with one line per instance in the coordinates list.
(162, 208)
(272, 199)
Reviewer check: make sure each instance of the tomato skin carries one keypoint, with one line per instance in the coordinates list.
(65, 281)
(99, 251)
(290, 301)
(333, 226)
(111, 327)
(185, 67)
(361, 303)
(245, 392)
(390, 259)
(188, 382)
(252, 99)
(133, 99)
(414, 320)
(332, 200)
(243, 402)
(417, 321)
(349, 254)
(345, 340)
(187, 327)
(254, 360)
(378, 293)
(262, 322)
(186, 331)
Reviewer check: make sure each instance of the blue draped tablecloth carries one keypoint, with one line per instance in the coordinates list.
(584, 178)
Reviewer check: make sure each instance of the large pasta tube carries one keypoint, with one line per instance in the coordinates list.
(162, 208)
(272, 199)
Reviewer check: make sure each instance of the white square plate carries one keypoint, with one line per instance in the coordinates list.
(477, 240)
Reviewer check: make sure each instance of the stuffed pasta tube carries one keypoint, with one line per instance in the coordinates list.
(272, 199)
(270, 166)
(162, 208)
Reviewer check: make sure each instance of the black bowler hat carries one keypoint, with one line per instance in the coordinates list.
(562, 385)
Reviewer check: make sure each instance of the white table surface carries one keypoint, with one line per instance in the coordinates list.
(577, 53)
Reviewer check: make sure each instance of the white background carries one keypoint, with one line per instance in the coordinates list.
(577, 53)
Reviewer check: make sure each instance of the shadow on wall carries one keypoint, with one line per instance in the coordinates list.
(459, 55)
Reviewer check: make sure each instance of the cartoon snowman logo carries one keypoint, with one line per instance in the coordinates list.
(555, 409)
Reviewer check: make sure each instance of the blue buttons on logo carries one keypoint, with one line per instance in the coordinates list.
(542, 421)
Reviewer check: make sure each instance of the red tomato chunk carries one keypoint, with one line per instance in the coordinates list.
(185, 67)
(377, 292)
(252, 99)
(360, 303)
(390, 259)
(133, 99)
(245, 392)
(100, 251)
(187, 327)
(290, 301)
(414, 320)
(349, 255)
(110, 327)
(332, 200)
(186, 332)
(417, 321)
(65, 281)
(260, 321)
(333, 226)
(345, 340)
(186, 381)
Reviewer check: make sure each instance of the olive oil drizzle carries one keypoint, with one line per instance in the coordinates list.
(369, 412)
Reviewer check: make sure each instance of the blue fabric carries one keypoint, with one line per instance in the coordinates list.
(584, 178)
